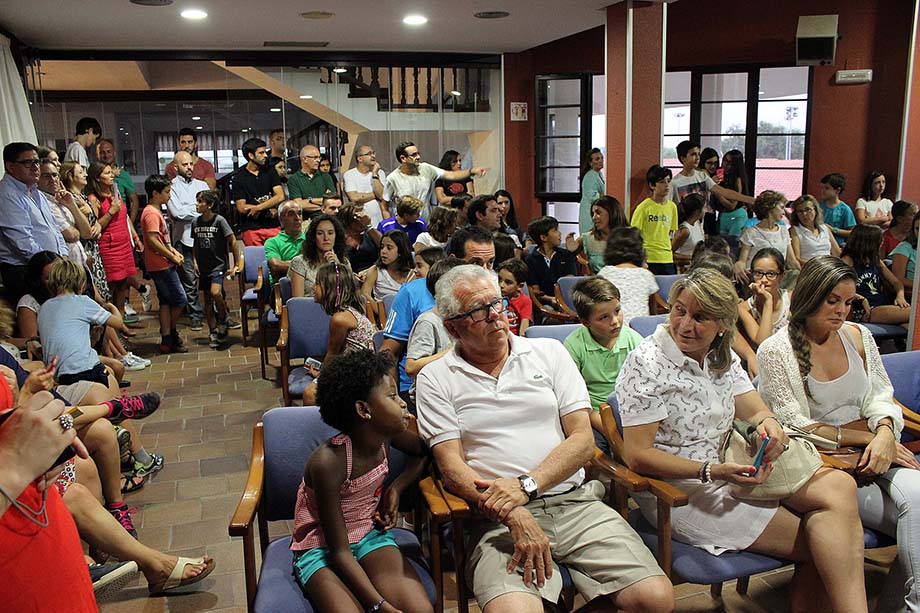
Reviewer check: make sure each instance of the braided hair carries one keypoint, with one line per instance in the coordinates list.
(818, 278)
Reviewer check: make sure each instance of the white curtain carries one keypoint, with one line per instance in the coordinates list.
(15, 119)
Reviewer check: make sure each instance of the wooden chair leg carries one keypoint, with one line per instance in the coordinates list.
(460, 568)
(437, 569)
(715, 590)
(249, 564)
(244, 321)
(742, 586)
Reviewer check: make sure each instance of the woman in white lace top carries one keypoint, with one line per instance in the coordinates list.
(678, 393)
(821, 373)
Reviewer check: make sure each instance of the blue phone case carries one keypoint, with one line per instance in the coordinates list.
(758, 459)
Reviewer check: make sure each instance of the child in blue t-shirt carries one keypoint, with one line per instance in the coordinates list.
(837, 213)
(64, 327)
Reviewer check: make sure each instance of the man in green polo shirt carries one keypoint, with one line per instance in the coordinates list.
(287, 244)
(105, 153)
(600, 346)
(308, 185)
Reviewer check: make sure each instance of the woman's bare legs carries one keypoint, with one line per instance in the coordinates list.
(99, 438)
(827, 537)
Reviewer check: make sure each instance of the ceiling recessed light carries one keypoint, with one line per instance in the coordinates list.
(275, 109)
(318, 15)
(244, 130)
(454, 92)
(306, 97)
(196, 118)
(339, 70)
(491, 14)
(126, 133)
(194, 14)
(199, 127)
(415, 20)
(121, 129)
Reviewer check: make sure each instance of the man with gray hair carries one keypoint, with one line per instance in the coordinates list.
(183, 210)
(286, 245)
(364, 184)
(506, 418)
(308, 186)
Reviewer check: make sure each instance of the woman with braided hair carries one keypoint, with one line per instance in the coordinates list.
(821, 373)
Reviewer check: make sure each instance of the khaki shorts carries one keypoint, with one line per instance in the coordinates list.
(602, 552)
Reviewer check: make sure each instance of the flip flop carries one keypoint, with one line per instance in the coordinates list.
(131, 483)
(175, 577)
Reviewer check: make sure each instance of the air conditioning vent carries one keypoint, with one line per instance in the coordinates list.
(296, 43)
(152, 2)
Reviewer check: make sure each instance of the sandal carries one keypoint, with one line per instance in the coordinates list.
(132, 483)
(175, 577)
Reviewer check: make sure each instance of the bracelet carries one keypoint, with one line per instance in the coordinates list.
(773, 417)
(885, 425)
(840, 436)
(377, 605)
(705, 473)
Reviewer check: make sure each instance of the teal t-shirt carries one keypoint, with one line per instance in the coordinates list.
(731, 223)
(600, 366)
(840, 217)
(905, 249)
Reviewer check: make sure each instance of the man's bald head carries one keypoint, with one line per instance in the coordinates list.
(185, 165)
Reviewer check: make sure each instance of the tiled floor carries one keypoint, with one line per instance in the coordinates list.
(211, 399)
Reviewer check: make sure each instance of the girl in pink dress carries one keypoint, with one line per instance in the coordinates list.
(118, 240)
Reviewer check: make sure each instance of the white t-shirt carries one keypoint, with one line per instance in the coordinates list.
(426, 239)
(757, 238)
(811, 246)
(399, 184)
(64, 218)
(698, 183)
(697, 235)
(356, 181)
(506, 426)
(28, 302)
(76, 153)
(635, 285)
(875, 208)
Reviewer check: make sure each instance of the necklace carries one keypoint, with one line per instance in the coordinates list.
(32, 515)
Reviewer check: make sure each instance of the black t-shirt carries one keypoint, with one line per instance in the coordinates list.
(452, 188)
(255, 189)
(211, 244)
(364, 256)
(538, 273)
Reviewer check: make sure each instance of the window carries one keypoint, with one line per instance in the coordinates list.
(570, 119)
(762, 112)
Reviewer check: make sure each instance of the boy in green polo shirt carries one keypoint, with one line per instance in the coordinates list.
(287, 244)
(600, 346)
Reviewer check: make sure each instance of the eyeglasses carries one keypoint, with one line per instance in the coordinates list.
(371, 152)
(32, 162)
(769, 274)
(311, 157)
(481, 313)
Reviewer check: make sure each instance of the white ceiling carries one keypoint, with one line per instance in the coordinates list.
(246, 24)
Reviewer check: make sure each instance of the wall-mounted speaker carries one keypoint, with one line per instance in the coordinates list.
(816, 40)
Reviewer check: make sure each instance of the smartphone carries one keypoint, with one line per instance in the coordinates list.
(314, 363)
(758, 459)
(720, 175)
(68, 452)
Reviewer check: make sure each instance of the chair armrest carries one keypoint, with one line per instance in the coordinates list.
(633, 482)
(283, 331)
(660, 306)
(832, 462)
(667, 493)
(549, 313)
(435, 502)
(241, 522)
(259, 275)
(459, 509)
(583, 265)
(562, 303)
(276, 298)
(909, 415)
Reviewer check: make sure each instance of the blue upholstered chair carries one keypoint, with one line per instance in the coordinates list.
(904, 371)
(680, 561)
(378, 340)
(564, 291)
(271, 320)
(646, 325)
(304, 334)
(664, 285)
(887, 332)
(252, 270)
(387, 305)
(557, 332)
(281, 445)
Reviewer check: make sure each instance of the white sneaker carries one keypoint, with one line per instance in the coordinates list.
(130, 363)
(129, 310)
(139, 359)
(147, 297)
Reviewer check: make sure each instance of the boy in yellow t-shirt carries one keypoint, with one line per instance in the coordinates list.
(656, 218)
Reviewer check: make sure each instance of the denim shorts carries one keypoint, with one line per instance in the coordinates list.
(169, 288)
(308, 562)
(215, 277)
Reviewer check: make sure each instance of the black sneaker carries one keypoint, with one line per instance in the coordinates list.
(222, 332)
(195, 325)
(213, 340)
(134, 407)
(232, 324)
(110, 578)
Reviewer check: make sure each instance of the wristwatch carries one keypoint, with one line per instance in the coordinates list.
(528, 486)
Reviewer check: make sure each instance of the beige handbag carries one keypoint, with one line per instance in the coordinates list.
(791, 470)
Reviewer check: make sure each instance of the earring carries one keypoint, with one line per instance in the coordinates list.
(721, 333)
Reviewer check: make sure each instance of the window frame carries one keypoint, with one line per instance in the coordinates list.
(751, 131)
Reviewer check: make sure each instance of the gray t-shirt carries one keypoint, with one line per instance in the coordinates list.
(76, 153)
(427, 337)
(63, 325)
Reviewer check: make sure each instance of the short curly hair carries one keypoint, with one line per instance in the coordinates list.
(350, 377)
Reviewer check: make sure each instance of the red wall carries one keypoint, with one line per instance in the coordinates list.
(854, 128)
(583, 52)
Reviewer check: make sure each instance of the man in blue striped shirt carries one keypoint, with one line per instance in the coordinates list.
(27, 224)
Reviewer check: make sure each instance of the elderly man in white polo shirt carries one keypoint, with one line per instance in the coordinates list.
(507, 420)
